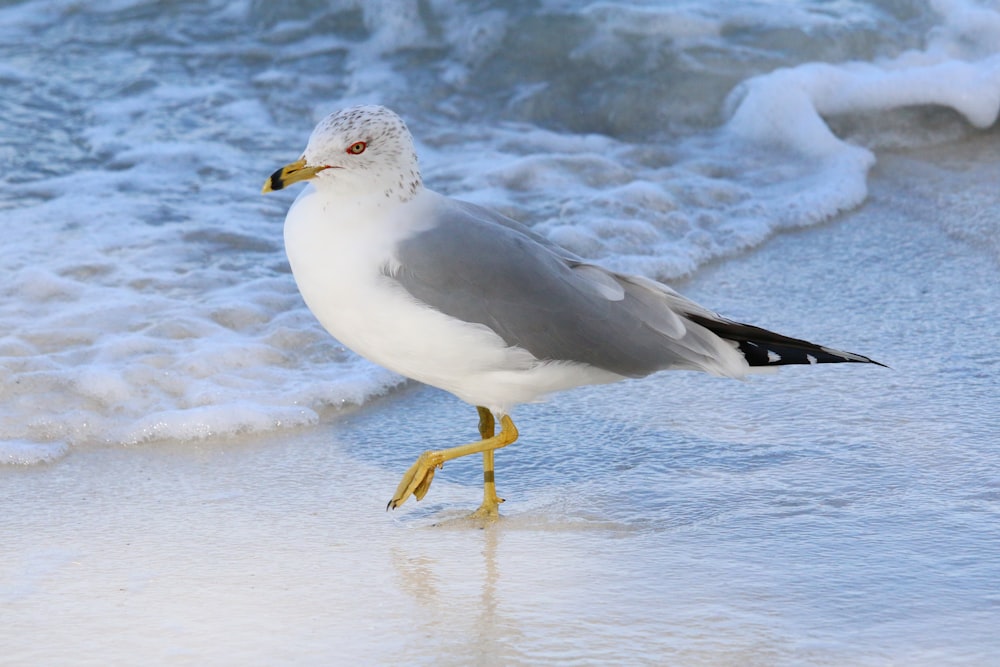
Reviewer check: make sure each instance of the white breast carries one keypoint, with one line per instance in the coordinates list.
(339, 253)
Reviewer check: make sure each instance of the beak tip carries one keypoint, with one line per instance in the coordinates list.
(290, 173)
(275, 181)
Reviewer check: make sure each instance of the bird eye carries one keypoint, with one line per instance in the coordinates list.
(357, 148)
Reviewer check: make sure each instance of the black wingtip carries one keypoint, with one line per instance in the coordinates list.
(761, 347)
(793, 351)
(877, 363)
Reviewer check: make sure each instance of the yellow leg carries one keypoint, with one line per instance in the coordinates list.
(491, 502)
(417, 479)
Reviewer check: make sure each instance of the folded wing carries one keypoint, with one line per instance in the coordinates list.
(478, 266)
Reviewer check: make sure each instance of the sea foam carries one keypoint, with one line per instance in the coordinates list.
(147, 295)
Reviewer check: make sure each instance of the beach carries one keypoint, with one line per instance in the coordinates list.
(828, 515)
(194, 472)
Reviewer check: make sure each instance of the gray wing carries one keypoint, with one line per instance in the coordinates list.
(478, 266)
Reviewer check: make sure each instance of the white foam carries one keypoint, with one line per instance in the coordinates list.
(146, 295)
(14, 452)
(775, 164)
(787, 106)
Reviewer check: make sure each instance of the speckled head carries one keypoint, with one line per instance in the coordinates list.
(360, 151)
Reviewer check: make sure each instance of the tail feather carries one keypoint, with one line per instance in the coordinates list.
(761, 347)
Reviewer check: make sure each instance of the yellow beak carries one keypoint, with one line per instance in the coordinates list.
(290, 173)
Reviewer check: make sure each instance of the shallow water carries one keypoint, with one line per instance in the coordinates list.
(828, 515)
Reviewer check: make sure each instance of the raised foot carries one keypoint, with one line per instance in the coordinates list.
(417, 479)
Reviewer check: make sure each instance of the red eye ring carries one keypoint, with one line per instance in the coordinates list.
(357, 148)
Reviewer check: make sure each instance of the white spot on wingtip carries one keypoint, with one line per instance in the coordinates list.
(811, 359)
(773, 357)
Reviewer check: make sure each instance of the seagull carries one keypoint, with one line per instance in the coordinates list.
(465, 299)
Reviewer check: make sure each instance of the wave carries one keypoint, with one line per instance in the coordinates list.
(148, 297)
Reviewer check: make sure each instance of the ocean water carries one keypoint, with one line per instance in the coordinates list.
(147, 296)
(827, 169)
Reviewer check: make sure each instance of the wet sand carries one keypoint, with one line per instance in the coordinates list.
(833, 515)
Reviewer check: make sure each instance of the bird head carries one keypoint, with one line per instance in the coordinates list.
(363, 150)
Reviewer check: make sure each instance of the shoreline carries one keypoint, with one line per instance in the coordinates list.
(820, 515)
